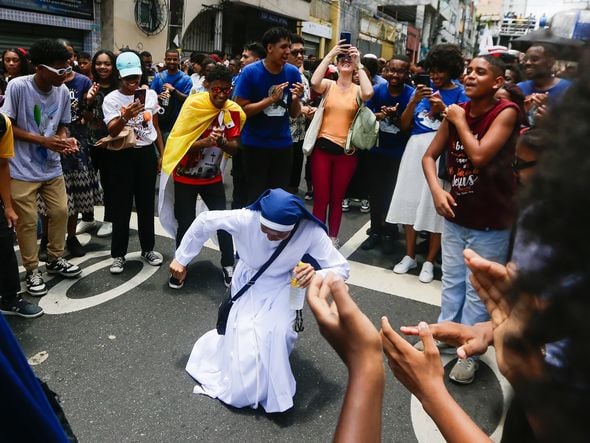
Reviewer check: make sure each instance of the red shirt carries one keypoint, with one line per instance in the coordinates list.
(485, 195)
(202, 167)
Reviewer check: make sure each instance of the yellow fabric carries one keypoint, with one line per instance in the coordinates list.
(195, 117)
(7, 141)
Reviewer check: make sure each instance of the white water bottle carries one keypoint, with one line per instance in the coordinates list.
(296, 293)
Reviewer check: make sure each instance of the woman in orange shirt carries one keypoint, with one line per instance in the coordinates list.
(331, 168)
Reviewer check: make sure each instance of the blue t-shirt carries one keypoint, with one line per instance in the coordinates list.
(555, 92)
(41, 113)
(378, 80)
(392, 140)
(180, 81)
(423, 122)
(269, 128)
(78, 87)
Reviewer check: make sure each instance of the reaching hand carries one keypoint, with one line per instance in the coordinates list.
(342, 323)
(177, 270)
(420, 372)
(469, 340)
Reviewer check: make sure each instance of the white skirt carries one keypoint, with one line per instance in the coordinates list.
(412, 202)
(249, 365)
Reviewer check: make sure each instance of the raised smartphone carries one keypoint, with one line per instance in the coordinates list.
(139, 94)
(422, 79)
(347, 37)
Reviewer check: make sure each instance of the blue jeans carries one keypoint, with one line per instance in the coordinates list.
(460, 302)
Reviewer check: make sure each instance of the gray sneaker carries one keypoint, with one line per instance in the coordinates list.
(464, 371)
(118, 265)
(152, 257)
(63, 267)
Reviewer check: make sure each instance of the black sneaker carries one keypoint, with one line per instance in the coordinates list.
(371, 242)
(152, 257)
(22, 308)
(74, 246)
(35, 284)
(43, 250)
(174, 283)
(64, 268)
(228, 273)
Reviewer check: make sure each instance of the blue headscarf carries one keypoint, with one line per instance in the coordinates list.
(280, 210)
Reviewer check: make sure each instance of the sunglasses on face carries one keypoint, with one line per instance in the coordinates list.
(218, 90)
(296, 52)
(519, 164)
(60, 72)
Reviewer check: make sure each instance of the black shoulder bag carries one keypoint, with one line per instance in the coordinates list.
(228, 301)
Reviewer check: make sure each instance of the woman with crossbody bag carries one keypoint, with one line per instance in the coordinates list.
(331, 167)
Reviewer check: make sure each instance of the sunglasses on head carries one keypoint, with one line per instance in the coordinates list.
(296, 52)
(218, 90)
(60, 72)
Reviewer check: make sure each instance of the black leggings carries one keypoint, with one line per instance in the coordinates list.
(132, 175)
(185, 199)
(9, 278)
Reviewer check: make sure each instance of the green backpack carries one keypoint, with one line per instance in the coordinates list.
(363, 131)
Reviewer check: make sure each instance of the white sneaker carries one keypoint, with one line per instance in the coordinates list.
(85, 226)
(105, 229)
(427, 272)
(405, 265)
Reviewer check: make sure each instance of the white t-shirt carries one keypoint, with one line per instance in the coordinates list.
(142, 124)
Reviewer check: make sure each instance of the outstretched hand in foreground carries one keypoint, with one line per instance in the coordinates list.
(357, 342)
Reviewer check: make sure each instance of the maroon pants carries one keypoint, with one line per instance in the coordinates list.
(330, 175)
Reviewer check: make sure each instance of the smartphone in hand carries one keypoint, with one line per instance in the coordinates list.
(347, 37)
(422, 79)
(139, 94)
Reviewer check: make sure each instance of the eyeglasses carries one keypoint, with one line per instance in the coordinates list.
(218, 90)
(519, 164)
(296, 52)
(60, 72)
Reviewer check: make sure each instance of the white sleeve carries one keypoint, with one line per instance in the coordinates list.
(110, 108)
(327, 256)
(203, 227)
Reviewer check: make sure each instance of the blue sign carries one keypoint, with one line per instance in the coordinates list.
(68, 8)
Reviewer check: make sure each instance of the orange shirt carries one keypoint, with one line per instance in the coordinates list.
(340, 108)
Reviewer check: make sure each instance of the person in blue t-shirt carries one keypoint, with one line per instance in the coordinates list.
(172, 85)
(541, 89)
(388, 103)
(269, 91)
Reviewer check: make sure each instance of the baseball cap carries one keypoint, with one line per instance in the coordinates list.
(128, 64)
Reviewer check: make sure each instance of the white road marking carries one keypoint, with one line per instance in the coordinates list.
(57, 301)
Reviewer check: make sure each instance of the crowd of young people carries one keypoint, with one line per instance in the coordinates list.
(444, 164)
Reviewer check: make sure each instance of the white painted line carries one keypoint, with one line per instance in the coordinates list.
(355, 241)
(57, 301)
(400, 285)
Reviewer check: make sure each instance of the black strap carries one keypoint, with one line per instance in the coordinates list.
(265, 266)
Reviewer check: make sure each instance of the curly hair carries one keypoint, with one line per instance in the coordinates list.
(47, 51)
(557, 218)
(445, 58)
(219, 72)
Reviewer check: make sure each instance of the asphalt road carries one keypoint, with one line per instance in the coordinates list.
(118, 360)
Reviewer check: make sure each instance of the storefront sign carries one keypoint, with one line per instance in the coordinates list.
(268, 17)
(68, 8)
(313, 28)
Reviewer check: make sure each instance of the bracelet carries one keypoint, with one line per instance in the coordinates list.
(122, 117)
